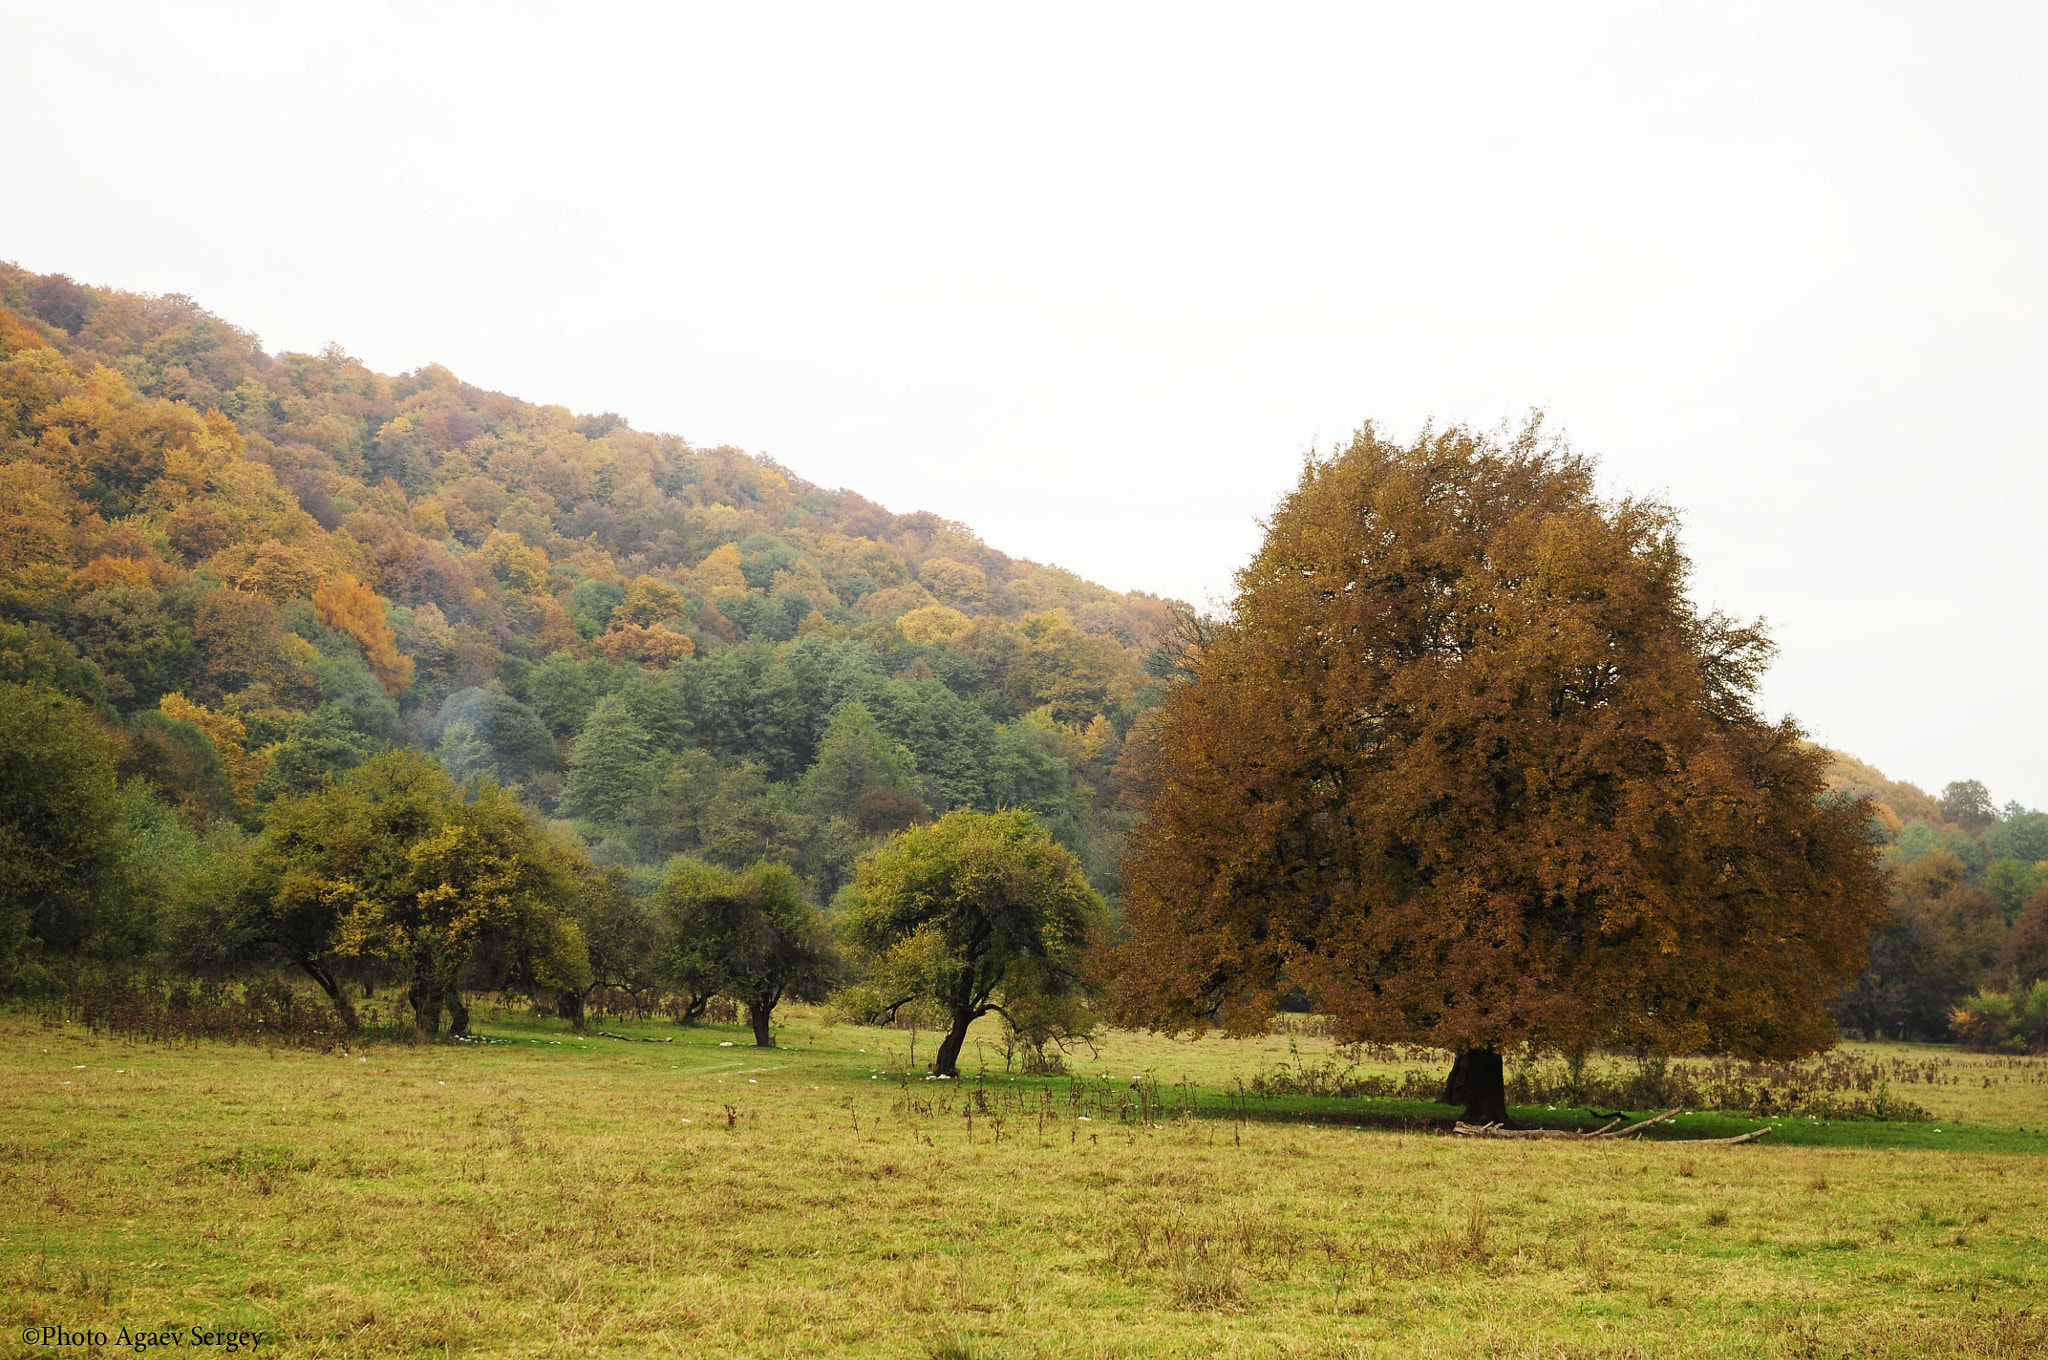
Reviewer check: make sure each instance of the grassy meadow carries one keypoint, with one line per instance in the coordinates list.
(548, 1195)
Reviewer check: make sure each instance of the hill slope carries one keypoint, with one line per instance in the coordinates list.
(298, 560)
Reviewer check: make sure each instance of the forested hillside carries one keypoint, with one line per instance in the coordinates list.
(1969, 899)
(252, 572)
(228, 578)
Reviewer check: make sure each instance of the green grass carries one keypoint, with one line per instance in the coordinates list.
(550, 1196)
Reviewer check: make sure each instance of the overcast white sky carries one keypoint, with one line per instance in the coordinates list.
(1091, 278)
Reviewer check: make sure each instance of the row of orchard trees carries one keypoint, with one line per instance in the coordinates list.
(396, 871)
(975, 914)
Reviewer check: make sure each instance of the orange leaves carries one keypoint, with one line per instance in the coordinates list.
(277, 571)
(16, 334)
(651, 645)
(1464, 765)
(348, 606)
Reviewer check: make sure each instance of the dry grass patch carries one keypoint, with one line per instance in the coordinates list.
(581, 1199)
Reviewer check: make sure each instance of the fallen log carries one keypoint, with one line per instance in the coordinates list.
(631, 1038)
(1637, 1128)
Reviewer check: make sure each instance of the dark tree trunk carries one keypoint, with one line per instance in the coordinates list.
(426, 1007)
(1454, 1083)
(947, 1063)
(569, 1005)
(458, 1014)
(693, 1009)
(758, 1017)
(344, 1009)
(1478, 1081)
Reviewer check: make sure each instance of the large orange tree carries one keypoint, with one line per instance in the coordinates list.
(1466, 764)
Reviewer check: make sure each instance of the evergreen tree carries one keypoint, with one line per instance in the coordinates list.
(854, 758)
(611, 766)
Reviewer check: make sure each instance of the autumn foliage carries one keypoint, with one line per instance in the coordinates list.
(1466, 765)
(348, 606)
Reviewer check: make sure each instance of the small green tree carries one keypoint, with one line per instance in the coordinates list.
(975, 911)
(623, 939)
(749, 935)
(394, 865)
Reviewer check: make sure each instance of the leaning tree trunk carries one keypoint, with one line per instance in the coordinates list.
(458, 1014)
(947, 1063)
(758, 1016)
(1478, 1081)
(694, 1008)
(344, 1009)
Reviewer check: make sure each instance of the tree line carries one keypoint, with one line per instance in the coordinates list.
(395, 680)
(396, 875)
(1966, 931)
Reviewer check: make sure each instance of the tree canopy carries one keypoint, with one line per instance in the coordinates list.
(59, 824)
(749, 936)
(394, 865)
(1465, 763)
(974, 912)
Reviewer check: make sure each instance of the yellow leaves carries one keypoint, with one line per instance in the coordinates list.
(1078, 674)
(110, 571)
(253, 497)
(218, 438)
(513, 564)
(954, 582)
(184, 476)
(274, 570)
(803, 577)
(348, 606)
(428, 518)
(933, 624)
(229, 739)
(718, 576)
(649, 602)
(894, 601)
(1096, 737)
(17, 335)
(653, 646)
(36, 514)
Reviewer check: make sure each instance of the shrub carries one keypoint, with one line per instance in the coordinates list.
(2004, 1022)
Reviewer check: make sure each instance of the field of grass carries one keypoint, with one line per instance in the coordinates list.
(554, 1196)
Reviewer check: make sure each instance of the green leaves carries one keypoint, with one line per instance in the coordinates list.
(394, 864)
(971, 909)
(749, 935)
